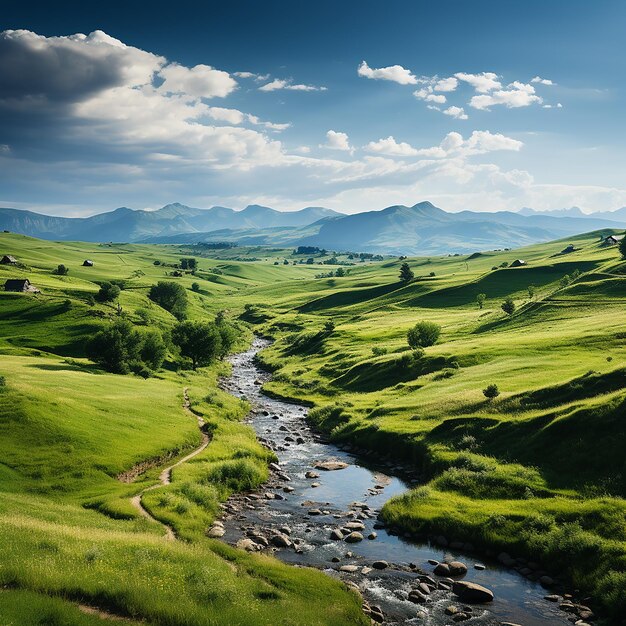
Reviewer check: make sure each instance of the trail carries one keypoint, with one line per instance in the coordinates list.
(165, 477)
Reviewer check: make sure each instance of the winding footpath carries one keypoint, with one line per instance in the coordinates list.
(165, 477)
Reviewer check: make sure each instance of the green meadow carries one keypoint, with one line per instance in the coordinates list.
(538, 470)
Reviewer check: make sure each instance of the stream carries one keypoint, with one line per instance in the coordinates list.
(307, 510)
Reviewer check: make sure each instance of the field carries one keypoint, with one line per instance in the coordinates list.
(538, 470)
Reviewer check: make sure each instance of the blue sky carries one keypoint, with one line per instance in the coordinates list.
(352, 105)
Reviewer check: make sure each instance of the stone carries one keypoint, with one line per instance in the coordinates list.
(315, 485)
(310, 474)
(314, 512)
(350, 569)
(336, 534)
(442, 569)
(417, 597)
(380, 564)
(247, 544)
(372, 536)
(330, 466)
(457, 568)
(451, 610)
(433, 562)
(479, 566)
(285, 530)
(288, 489)
(355, 525)
(546, 581)
(552, 598)
(472, 593)
(280, 541)
(215, 532)
(460, 617)
(366, 570)
(354, 537)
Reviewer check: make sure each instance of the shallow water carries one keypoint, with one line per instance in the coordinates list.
(517, 599)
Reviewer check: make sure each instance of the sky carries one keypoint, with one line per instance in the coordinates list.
(485, 105)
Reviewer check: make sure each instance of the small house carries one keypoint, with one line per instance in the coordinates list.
(612, 240)
(87, 263)
(7, 259)
(20, 285)
(518, 263)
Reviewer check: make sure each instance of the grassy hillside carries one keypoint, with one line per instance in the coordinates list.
(539, 470)
(73, 550)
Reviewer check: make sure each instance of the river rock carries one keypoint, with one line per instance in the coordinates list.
(472, 592)
(215, 532)
(546, 581)
(336, 534)
(380, 564)
(354, 537)
(372, 536)
(248, 545)
(479, 566)
(417, 597)
(288, 489)
(457, 568)
(330, 466)
(442, 569)
(311, 474)
(350, 569)
(355, 525)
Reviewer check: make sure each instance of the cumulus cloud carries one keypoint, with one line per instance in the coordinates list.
(337, 141)
(515, 95)
(287, 84)
(457, 113)
(395, 73)
(391, 147)
(201, 81)
(542, 81)
(483, 82)
(446, 84)
(427, 95)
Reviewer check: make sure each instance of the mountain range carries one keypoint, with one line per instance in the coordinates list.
(419, 229)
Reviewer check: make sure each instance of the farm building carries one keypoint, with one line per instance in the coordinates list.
(87, 263)
(20, 285)
(612, 240)
(7, 259)
(518, 263)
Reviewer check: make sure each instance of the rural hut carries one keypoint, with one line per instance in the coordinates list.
(518, 263)
(87, 263)
(7, 259)
(20, 285)
(612, 240)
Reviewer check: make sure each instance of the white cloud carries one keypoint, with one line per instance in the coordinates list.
(201, 81)
(391, 147)
(446, 84)
(395, 73)
(516, 95)
(244, 74)
(483, 82)
(542, 81)
(337, 141)
(427, 95)
(232, 116)
(5, 148)
(278, 84)
(457, 113)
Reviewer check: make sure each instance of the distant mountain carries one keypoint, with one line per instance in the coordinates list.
(618, 215)
(127, 225)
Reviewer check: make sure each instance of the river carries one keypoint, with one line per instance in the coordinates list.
(310, 508)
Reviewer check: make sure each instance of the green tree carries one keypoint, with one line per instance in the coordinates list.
(508, 306)
(532, 290)
(116, 347)
(480, 300)
(199, 341)
(171, 296)
(340, 272)
(406, 273)
(228, 334)
(329, 326)
(195, 287)
(188, 264)
(491, 391)
(152, 349)
(423, 334)
(108, 292)
(61, 270)
(622, 247)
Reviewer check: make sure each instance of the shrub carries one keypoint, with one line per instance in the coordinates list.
(491, 391)
(170, 296)
(61, 270)
(508, 306)
(406, 273)
(144, 316)
(188, 264)
(532, 290)
(423, 334)
(108, 292)
(480, 300)
(329, 326)
(199, 341)
(195, 287)
(378, 351)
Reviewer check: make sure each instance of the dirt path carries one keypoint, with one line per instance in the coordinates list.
(165, 477)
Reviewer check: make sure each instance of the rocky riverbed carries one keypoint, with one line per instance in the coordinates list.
(320, 509)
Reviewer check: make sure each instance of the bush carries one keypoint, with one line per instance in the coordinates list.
(329, 326)
(144, 316)
(423, 334)
(508, 306)
(170, 296)
(61, 270)
(199, 341)
(195, 287)
(480, 300)
(491, 391)
(406, 273)
(120, 349)
(108, 292)
(378, 351)
(188, 264)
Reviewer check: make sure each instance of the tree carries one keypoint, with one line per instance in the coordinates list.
(329, 326)
(491, 391)
(480, 300)
(171, 296)
(195, 287)
(188, 264)
(108, 292)
(340, 272)
(228, 334)
(508, 306)
(152, 349)
(406, 273)
(115, 347)
(61, 270)
(566, 280)
(532, 290)
(622, 248)
(423, 334)
(199, 341)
